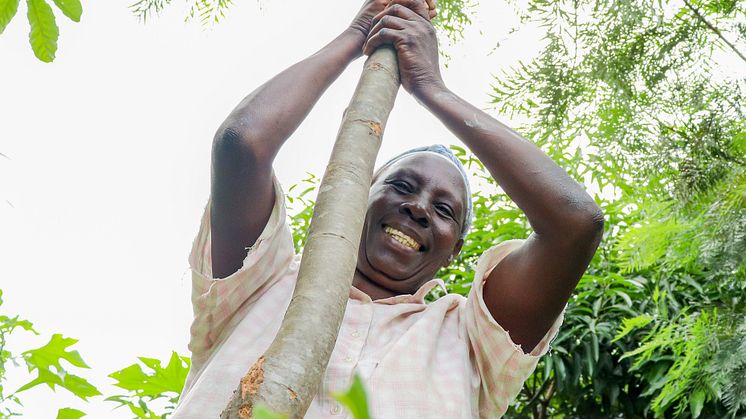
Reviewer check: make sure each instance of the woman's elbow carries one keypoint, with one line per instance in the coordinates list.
(588, 223)
(235, 141)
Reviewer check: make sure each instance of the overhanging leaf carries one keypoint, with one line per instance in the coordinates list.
(8, 9)
(71, 8)
(355, 399)
(44, 31)
(69, 413)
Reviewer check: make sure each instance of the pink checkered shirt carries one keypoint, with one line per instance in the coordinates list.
(445, 359)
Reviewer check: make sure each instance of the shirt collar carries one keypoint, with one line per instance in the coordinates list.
(417, 298)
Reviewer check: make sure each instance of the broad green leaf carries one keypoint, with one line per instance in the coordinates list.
(160, 380)
(44, 31)
(157, 383)
(46, 362)
(355, 399)
(44, 377)
(79, 386)
(696, 402)
(71, 8)
(55, 350)
(69, 413)
(8, 9)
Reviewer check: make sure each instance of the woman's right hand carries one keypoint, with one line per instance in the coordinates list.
(371, 8)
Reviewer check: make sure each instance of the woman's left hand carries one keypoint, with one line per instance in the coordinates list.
(405, 24)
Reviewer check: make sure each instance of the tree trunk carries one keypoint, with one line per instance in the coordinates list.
(287, 377)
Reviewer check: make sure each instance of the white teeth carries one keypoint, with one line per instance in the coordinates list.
(402, 238)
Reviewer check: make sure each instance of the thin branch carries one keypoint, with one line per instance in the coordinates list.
(714, 29)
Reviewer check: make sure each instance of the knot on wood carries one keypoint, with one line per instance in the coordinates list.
(376, 128)
(251, 382)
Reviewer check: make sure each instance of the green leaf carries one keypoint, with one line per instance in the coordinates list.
(696, 402)
(8, 9)
(628, 325)
(79, 386)
(160, 380)
(44, 31)
(54, 351)
(71, 8)
(355, 399)
(46, 362)
(69, 413)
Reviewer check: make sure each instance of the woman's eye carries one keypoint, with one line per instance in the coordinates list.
(445, 210)
(401, 186)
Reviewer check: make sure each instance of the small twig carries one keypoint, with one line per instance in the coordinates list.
(714, 29)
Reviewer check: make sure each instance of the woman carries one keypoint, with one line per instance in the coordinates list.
(448, 359)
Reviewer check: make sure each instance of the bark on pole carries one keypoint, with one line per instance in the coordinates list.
(287, 377)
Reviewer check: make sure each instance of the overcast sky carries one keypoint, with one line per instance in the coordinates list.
(108, 169)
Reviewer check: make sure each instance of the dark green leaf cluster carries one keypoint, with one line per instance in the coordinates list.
(631, 99)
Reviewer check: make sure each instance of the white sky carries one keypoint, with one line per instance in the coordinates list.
(109, 152)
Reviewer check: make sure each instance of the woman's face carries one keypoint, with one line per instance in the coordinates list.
(416, 209)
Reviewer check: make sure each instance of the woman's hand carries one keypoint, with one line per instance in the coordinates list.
(405, 24)
(371, 8)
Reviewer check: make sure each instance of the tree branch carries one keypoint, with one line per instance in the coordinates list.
(714, 29)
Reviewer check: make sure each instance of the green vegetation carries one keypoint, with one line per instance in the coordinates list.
(44, 365)
(632, 99)
(44, 31)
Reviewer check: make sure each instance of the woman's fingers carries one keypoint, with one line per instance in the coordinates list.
(382, 37)
(388, 21)
(400, 18)
(432, 5)
(421, 7)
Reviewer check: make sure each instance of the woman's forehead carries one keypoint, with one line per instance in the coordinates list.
(428, 167)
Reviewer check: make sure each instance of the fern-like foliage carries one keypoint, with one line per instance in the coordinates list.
(209, 12)
(145, 9)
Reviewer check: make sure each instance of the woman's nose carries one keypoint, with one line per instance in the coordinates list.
(417, 212)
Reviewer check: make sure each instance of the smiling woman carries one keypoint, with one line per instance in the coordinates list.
(457, 349)
(417, 215)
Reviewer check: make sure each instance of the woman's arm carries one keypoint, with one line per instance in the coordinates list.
(247, 142)
(530, 287)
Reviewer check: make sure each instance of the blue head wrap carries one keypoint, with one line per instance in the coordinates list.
(445, 152)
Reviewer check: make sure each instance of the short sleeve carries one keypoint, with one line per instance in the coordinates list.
(501, 364)
(215, 301)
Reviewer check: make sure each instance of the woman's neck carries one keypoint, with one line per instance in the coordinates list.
(374, 291)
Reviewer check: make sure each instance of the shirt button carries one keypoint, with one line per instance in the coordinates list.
(334, 410)
(355, 334)
(348, 359)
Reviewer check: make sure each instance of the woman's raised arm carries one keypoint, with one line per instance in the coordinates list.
(247, 142)
(529, 288)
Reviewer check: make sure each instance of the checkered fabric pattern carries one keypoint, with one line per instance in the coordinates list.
(445, 359)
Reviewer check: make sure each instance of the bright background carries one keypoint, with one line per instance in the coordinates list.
(109, 152)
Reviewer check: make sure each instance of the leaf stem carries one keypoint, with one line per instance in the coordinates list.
(714, 29)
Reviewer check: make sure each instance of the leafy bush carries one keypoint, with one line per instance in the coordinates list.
(45, 363)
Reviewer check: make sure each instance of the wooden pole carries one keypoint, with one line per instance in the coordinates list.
(288, 376)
